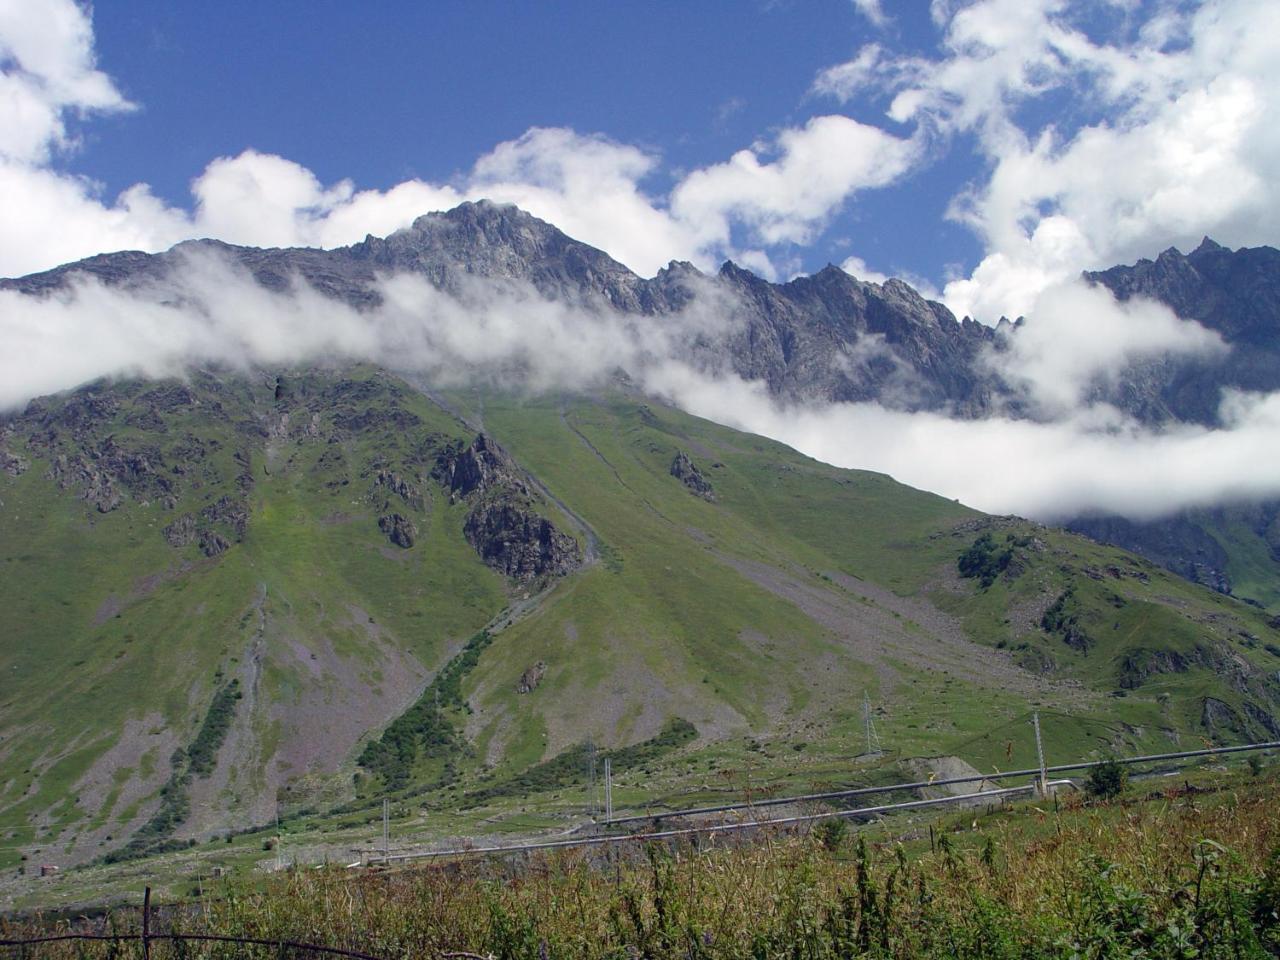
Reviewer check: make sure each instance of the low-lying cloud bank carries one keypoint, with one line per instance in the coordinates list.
(1079, 458)
(1096, 461)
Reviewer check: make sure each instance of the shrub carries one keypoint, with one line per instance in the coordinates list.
(831, 833)
(1107, 779)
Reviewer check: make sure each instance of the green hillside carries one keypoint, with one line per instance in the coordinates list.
(239, 596)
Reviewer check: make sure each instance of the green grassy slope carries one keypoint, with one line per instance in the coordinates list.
(760, 616)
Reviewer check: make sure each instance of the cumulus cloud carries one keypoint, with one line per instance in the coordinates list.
(47, 49)
(787, 199)
(1173, 133)
(872, 10)
(857, 267)
(774, 193)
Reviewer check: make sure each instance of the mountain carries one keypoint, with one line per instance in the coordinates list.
(301, 590)
(1233, 293)
(826, 337)
(295, 590)
(1234, 548)
(831, 337)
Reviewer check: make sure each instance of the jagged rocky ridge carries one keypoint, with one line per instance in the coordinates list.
(687, 472)
(825, 337)
(1236, 294)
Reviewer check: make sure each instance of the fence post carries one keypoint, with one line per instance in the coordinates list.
(146, 923)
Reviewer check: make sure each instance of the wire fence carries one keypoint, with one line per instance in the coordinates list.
(146, 937)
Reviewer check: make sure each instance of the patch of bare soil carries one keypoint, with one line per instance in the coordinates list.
(107, 609)
(306, 725)
(144, 737)
(948, 768)
(877, 626)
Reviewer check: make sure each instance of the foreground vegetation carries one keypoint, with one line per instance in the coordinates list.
(1175, 874)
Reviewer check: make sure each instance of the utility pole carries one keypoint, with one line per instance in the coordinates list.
(608, 790)
(1042, 786)
(591, 778)
(386, 829)
(873, 738)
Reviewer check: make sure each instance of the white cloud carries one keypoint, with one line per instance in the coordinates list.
(857, 267)
(588, 185)
(1048, 471)
(213, 312)
(785, 201)
(1091, 458)
(47, 52)
(872, 10)
(1079, 337)
(1174, 132)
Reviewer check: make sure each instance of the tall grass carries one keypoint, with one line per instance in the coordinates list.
(1178, 877)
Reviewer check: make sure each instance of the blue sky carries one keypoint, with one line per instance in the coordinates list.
(984, 150)
(382, 93)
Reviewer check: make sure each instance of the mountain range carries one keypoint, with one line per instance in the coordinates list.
(831, 337)
(300, 587)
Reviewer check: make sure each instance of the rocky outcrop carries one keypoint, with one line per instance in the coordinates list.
(530, 679)
(95, 484)
(213, 544)
(1178, 543)
(234, 513)
(399, 529)
(518, 543)
(1233, 669)
(684, 470)
(231, 514)
(503, 525)
(477, 469)
(392, 483)
(181, 532)
(11, 464)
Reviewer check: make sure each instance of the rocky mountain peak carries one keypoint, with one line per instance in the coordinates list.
(1209, 245)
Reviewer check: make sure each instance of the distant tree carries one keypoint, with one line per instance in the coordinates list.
(1107, 779)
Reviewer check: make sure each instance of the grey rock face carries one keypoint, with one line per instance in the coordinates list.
(530, 679)
(213, 544)
(684, 470)
(503, 526)
(1234, 293)
(1177, 543)
(12, 464)
(181, 532)
(399, 529)
(477, 469)
(518, 543)
(397, 485)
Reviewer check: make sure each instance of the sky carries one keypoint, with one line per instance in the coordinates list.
(986, 151)
(983, 150)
